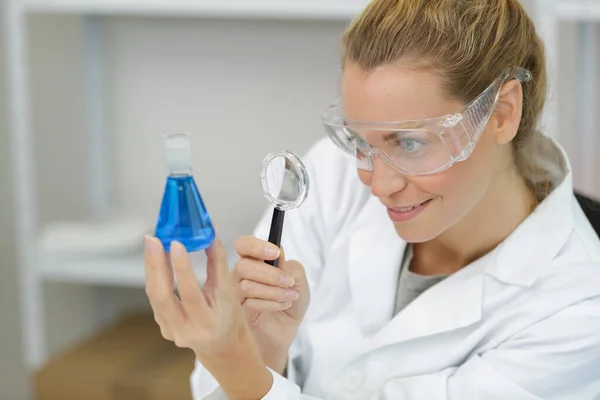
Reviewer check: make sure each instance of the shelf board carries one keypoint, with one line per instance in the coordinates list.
(127, 271)
(574, 10)
(297, 9)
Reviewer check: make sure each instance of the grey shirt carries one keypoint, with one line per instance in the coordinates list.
(411, 285)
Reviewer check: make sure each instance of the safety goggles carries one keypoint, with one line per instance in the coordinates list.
(418, 147)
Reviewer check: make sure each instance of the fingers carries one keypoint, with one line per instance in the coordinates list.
(159, 284)
(189, 289)
(250, 246)
(164, 330)
(217, 268)
(258, 271)
(251, 289)
(153, 251)
(292, 268)
(257, 306)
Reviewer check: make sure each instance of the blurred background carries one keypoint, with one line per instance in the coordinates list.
(87, 88)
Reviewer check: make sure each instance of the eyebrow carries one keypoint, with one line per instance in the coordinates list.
(395, 135)
(389, 136)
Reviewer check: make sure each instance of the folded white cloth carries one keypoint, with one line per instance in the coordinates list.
(111, 237)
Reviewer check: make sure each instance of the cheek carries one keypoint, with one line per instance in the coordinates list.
(463, 181)
(365, 177)
(468, 180)
(443, 184)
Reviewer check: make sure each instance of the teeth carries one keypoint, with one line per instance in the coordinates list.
(407, 209)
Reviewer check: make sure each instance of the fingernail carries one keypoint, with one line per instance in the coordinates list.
(287, 305)
(287, 281)
(272, 251)
(292, 295)
(177, 249)
(151, 245)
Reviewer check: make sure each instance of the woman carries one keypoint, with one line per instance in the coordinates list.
(453, 263)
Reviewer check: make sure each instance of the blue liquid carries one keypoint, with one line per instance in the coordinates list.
(183, 216)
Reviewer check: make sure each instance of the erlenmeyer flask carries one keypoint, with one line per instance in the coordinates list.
(183, 216)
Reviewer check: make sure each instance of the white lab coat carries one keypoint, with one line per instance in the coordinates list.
(521, 323)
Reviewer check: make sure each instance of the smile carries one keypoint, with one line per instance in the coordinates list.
(403, 214)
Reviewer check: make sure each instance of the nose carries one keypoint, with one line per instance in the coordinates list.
(385, 180)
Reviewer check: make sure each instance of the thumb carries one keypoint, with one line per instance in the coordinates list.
(294, 269)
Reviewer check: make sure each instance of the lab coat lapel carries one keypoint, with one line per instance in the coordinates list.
(451, 304)
(375, 253)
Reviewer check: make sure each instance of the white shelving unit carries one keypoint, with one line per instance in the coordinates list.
(125, 271)
(128, 271)
(295, 9)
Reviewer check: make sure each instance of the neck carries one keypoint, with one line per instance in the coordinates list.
(507, 203)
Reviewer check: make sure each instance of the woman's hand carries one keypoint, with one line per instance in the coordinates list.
(275, 299)
(209, 320)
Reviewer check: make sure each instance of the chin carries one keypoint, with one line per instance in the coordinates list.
(415, 233)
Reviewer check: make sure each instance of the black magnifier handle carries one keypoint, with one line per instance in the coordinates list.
(275, 233)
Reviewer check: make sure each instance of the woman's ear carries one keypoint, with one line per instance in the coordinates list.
(508, 112)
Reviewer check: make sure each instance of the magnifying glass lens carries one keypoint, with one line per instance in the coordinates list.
(285, 184)
(284, 180)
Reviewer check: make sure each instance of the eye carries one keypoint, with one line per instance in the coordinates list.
(410, 145)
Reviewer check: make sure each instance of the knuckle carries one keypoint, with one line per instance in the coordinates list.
(149, 292)
(249, 306)
(254, 307)
(243, 245)
(237, 269)
(241, 267)
(239, 244)
(180, 342)
(247, 286)
(166, 334)
(160, 299)
(182, 339)
(275, 276)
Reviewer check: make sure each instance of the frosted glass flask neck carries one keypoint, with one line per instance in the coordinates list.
(178, 154)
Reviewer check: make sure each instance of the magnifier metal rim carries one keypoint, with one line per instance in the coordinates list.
(302, 174)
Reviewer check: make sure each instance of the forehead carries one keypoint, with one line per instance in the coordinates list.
(393, 93)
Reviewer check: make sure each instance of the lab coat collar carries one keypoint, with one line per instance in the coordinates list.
(375, 256)
(519, 260)
(451, 304)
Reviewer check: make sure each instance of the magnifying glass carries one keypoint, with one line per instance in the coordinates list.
(285, 184)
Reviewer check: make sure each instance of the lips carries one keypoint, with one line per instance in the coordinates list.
(405, 214)
(408, 209)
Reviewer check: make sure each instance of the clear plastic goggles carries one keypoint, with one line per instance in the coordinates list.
(418, 147)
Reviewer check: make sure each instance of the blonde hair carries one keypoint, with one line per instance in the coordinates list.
(468, 43)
